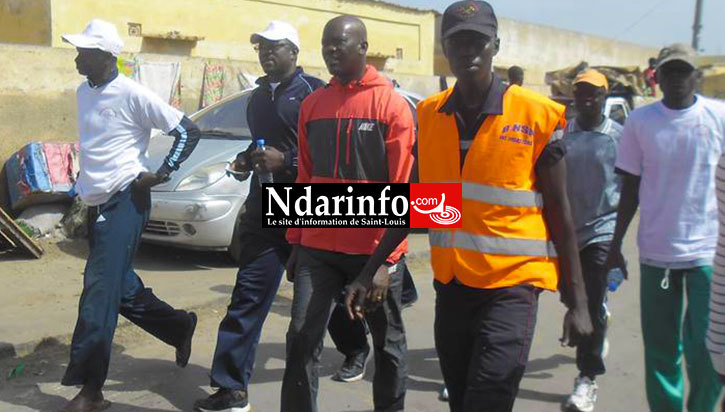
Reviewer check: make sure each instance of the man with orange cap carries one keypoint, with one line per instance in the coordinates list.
(591, 141)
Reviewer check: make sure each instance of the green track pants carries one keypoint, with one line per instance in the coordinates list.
(666, 336)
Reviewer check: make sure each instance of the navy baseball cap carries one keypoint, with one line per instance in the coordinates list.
(474, 15)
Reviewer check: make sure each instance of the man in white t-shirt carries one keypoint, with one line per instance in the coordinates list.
(668, 155)
(115, 119)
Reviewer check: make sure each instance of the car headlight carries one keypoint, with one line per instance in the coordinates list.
(202, 178)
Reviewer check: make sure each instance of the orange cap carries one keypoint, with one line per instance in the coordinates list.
(592, 77)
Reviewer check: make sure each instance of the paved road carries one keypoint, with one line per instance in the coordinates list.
(143, 377)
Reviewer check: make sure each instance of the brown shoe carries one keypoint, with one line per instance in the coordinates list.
(87, 403)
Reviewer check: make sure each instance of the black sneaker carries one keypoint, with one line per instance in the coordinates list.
(183, 352)
(353, 368)
(224, 400)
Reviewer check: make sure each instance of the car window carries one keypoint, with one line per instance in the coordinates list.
(226, 120)
(413, 104)
(618, 113)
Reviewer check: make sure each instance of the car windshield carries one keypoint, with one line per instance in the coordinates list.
(227, 120)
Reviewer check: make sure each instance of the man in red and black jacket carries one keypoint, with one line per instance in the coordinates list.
(357, 130)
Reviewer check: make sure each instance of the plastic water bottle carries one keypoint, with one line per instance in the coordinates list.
(263, 175)
(615, 277)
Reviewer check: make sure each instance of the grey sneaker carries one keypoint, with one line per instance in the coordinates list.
(223, 400)
(353, 368)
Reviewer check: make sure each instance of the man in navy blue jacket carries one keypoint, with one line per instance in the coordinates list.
(272, 115)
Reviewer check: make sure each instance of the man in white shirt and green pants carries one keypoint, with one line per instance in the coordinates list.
(115, 119)
(668, 155)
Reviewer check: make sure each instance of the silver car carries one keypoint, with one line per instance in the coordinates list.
(199, 207)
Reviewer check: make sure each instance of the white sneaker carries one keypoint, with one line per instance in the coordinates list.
(584, 396)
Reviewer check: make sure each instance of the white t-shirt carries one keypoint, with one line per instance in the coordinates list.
(675, 152)
(114, 124)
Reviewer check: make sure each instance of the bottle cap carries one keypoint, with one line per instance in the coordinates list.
(260, 142)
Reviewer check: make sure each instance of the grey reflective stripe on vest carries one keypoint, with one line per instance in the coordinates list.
(491, 244)
(500, 196)
(440, 238)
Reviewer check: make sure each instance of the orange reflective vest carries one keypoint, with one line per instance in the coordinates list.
(503, 240)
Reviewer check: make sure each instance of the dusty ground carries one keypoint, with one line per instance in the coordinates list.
(144, 378)
(39, 299)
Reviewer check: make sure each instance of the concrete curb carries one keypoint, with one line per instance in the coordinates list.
(21, 350)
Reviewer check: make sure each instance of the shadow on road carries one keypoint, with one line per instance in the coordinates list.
(38, 388)
(223, 289)
(536, 369)
(159, 258)
(424, 371)
(152, 257)
(13, 255)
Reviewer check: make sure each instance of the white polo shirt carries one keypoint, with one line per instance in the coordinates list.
(114, 125)
(675, 152)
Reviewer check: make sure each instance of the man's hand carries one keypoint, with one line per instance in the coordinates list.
(379, 290)
(292, 263)
(366, 293)
(577, 324)
(355, 294)
(270, 160)
(146, 180)
(615, 259)
(241, 164)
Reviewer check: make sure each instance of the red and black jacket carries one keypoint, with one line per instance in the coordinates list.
(360, 132)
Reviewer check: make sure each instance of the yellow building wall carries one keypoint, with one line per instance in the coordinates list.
(25, 22)
(226, 26)
(711, 60)
(713, 82)
(539, 49)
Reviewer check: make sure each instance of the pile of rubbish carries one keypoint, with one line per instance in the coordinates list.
(42, 173)
(623, 81)
(41, 179)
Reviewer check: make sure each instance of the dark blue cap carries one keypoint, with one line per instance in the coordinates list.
(470, 15)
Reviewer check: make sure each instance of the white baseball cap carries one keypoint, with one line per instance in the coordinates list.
(278, 30)
(99, 34)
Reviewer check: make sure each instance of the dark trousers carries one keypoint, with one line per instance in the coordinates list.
(350, 336)
(410, 292)
(589, 359)
(110, 287)
(258, 279)
(319, 280)
(483, 338)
